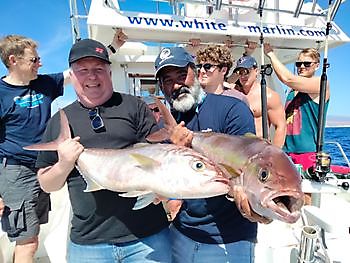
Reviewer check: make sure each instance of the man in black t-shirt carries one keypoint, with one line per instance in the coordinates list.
(104, 226)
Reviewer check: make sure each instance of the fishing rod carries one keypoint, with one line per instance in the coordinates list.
(323, 160)
(265, 70)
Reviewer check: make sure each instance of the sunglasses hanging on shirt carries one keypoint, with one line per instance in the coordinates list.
(96, 120)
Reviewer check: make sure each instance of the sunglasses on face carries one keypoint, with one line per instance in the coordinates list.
(156, 109)
(34, 60)
(306, 64)
(96, 119)
(207, 66)
(243, 72)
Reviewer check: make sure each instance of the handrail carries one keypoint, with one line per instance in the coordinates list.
(341, 151)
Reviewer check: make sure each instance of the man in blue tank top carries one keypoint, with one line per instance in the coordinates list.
(211, 229)
(302, 104)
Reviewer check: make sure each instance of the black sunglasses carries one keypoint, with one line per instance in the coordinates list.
(306, 64)
(96, 120)
(156, 109)
(207, 66)
(34, 59)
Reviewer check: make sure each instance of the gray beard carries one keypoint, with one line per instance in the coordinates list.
(190, 100)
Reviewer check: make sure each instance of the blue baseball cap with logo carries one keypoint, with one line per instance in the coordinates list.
(173, 56)
(246, 62)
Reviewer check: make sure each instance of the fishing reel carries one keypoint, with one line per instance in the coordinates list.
(322, 167)
(266, 69)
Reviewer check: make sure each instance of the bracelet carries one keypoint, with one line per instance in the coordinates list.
(112, 49)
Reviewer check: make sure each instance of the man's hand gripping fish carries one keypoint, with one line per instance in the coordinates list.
(266, 174)
(145, 170)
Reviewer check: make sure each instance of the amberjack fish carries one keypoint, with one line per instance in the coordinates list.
(264, 171)
(145, 170)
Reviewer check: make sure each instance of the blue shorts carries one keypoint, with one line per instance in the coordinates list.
(154, 248)
(26, 204)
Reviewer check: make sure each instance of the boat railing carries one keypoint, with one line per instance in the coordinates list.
(341, 151)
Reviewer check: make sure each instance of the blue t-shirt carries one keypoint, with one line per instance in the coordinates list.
(216, 220)
(24, 112)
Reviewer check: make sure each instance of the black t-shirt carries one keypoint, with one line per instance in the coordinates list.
(102, 216)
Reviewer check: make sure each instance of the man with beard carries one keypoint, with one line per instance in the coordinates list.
(211, 229)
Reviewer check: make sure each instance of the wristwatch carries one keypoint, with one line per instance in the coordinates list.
(112, 49)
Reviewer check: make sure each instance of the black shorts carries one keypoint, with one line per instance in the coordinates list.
(26, 204)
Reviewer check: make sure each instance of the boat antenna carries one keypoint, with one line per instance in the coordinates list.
(323, 161)
(265, 70)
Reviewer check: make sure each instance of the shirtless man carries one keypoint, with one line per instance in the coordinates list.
(248, 72)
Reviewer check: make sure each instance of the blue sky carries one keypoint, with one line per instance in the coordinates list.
(48, 23)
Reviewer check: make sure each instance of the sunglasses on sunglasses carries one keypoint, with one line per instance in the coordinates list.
(207, 66)
(306, 64)
(96, 120)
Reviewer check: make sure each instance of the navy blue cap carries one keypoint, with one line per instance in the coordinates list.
(245, 62)
(173, 56)
(88, 48)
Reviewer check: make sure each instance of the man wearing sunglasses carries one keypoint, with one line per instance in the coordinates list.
(105, 228)
(214, 64)
(25, 107)
(248, 84)
(211, 229)
(301, 108)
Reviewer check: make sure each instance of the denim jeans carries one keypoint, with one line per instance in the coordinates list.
(155, 248)
(185, 250)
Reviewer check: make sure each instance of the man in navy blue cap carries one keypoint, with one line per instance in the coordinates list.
(246, 72)
(211, 229)
(105, 228)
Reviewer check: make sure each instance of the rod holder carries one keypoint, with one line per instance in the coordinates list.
(309, 235)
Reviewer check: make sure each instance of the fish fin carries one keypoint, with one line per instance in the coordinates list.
(232, 171)
(134, 193)
(250, 135)
(91, 185)
(159, 136)
(140, 145)
(144, 161)
(53, 145)
(144, 200)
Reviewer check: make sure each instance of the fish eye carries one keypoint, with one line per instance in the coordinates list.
(198, 166)
(264, 175)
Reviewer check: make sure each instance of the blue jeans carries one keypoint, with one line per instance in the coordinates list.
(155, 248)
(185, 250)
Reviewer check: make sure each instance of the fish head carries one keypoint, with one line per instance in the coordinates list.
(273, 185)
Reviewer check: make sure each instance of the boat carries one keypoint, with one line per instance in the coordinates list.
(321, 235)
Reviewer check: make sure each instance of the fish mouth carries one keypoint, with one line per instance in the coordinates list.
(220, 179)
(286, 206)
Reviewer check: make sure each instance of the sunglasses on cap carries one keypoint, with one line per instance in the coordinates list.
(96, 120)
(306, 64)
(207, 66)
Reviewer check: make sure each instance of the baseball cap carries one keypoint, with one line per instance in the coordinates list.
(245, 62)
(88, 48)
(173, 56)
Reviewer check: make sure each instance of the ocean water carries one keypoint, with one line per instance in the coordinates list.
(342, 136)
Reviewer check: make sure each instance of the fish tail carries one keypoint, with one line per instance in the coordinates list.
(53, 145)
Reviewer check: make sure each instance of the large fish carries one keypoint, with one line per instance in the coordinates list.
(145, 170)
(267, 175)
